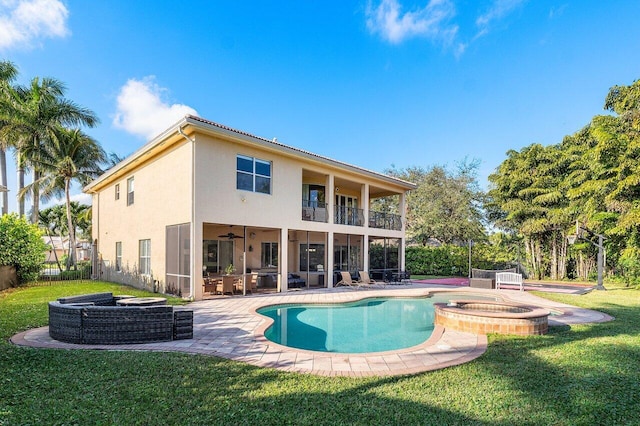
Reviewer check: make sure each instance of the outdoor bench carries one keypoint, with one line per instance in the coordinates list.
(484, 278)
(93, 319)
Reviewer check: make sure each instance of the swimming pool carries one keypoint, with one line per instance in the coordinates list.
(369, 325)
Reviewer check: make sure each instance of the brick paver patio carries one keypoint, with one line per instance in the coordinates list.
(229, 327)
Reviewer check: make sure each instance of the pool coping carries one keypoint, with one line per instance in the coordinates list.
(230, 328)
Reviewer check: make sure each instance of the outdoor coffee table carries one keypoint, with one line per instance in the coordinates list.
(122, 296)
(142, 301)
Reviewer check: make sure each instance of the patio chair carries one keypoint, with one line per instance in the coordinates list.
(252, 285)
(366, 281)
(226, 285)
(347, 280)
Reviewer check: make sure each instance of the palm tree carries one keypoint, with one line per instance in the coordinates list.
(38, 111)
(8, 73)
(70, 156)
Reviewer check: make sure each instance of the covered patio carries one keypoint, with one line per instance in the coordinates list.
(238, 259)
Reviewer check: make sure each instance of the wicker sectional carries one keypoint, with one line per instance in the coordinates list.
(94, 319)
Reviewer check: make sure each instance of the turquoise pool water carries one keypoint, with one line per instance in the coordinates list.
(369, 325)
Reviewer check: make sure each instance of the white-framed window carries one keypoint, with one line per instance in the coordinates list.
(117, 191)
(144, 257)
(119, 256)
(130, 191)
(253, 174)
(269, 255)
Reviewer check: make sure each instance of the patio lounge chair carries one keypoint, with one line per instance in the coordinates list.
(347, 280)
(366, 281)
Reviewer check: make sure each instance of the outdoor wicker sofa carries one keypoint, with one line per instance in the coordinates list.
(95, 319)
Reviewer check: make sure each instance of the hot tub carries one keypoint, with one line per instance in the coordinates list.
(483, 317)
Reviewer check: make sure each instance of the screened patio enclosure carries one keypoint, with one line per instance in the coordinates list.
(301, 259)
(384, 257)
(246, 250)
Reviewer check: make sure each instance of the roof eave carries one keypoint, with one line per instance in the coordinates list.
(200, 123)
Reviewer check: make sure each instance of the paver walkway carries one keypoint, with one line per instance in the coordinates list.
(229, 327)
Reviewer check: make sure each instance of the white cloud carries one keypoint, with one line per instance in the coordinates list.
(431, 21)
(22, 22)
(556, 12)
(79, 197)
(141, 109)
(498, 10)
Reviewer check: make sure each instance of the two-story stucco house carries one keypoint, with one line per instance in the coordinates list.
(202, 196)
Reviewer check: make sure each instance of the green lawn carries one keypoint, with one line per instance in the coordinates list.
(583, 375)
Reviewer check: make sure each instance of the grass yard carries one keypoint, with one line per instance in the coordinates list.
(583, 375)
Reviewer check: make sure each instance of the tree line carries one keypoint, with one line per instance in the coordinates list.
(535, 197)
(591, 177)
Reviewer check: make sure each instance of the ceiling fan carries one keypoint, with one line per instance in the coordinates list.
(230, 236)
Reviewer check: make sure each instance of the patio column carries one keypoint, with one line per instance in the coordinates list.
(197, 281)
(403, 220)
(401, 257)
(330, 199)
(330, 260)
(364, 196)
(365, 251)
(403, 211)
(283, 260)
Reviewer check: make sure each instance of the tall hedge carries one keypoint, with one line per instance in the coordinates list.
(449, 260)
(445, 260)
(21, 246)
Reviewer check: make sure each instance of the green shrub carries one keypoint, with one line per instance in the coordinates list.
(21, 246)
(83, 271)
(444, 260)
(451, 260)
(630, 265)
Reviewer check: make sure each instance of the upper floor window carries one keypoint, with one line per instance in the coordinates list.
(130, 191)
(253, 174)
(117, 191)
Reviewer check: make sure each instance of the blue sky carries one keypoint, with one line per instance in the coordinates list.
(375, 83)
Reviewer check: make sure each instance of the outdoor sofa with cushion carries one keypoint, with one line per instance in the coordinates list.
(95, 319)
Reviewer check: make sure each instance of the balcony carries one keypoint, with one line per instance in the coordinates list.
(385, 221)
(314, 211)
(349, 216)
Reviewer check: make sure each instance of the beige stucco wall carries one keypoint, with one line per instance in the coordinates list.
(162, 196)
(218, 201)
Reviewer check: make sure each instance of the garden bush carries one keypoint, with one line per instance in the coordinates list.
(21, 246)
(444, 260)
(83, 271)
(451, 260)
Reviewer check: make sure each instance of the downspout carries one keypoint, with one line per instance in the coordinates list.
(97, 274)
(193, 210)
